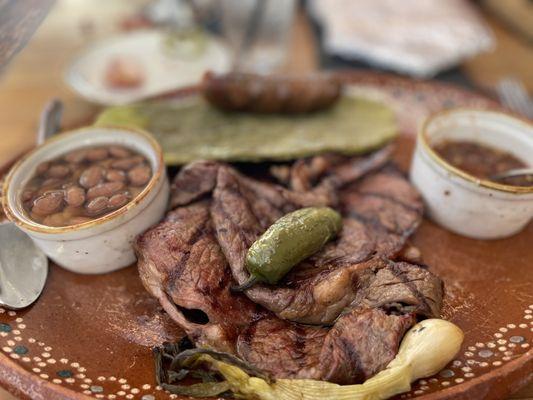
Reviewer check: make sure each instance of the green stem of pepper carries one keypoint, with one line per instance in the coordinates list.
(252, 280)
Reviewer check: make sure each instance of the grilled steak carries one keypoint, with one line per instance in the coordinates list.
(317, 290)
(194, 181)
(191, 259)
(199, 178)
(361, 344)
(340, 354)
(181, 264)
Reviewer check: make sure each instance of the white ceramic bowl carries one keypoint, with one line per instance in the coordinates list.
(460, 202)
(104, 244)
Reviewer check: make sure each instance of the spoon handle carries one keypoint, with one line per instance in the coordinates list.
(50, 120)
(512, 173)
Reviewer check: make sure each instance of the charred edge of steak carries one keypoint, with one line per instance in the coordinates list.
(424, 308)
(194, 181)
(402, 288)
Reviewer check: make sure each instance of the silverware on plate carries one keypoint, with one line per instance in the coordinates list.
(514, 173)
(513, 94)
(24, 267)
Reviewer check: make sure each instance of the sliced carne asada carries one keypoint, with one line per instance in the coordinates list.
(199, 178)
(388, 206)
(234, 324)
(193, 181)
(181, 264)
(282, 348)
(360, 344)
(334, 170)
(306, 173)
(317, 290)
(340, 354)
(240, 216)
(400, 287)
(191, 259)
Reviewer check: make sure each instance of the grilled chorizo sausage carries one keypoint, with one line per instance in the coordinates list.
(271, 94)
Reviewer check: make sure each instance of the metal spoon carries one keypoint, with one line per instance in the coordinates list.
(514, 173)
(24, 267)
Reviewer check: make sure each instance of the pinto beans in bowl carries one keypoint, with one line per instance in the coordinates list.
(82, 185)
(85, 195)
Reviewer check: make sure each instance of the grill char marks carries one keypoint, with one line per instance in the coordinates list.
(360, 344)
(389, 207)
(399, 287)
(405, 288)
(316, 291)
(180, 263)
(320, 288)
(282, 348)
(191, 259)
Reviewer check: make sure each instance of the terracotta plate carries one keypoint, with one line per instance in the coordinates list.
(92, 335)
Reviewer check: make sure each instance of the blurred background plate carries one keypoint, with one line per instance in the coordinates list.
(165, 66)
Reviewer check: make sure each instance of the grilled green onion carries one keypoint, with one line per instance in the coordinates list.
(425, 350)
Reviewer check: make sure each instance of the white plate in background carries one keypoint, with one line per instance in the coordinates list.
(164, 70)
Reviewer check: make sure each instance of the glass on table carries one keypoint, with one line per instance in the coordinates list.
(258, 31)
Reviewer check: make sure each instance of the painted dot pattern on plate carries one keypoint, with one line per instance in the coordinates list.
(476, 357)
(43, 363)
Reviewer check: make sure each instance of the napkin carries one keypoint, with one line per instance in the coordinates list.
(415, 37)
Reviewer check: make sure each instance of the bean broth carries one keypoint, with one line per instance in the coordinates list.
(85, 184)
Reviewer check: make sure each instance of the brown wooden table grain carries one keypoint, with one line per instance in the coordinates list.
(512, 56)
(36, 74)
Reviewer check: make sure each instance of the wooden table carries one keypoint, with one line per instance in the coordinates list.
(36, 75)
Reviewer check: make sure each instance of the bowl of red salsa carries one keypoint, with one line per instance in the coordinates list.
(457, 157)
